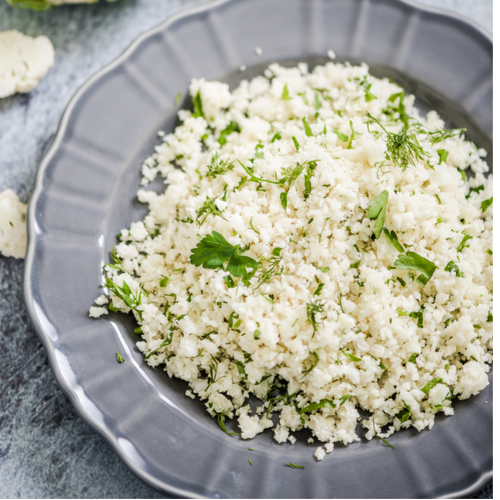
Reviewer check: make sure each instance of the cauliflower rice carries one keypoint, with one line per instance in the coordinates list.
(314, 308)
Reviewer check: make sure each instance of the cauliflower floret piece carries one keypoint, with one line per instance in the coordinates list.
(24, 61)
(12, 225)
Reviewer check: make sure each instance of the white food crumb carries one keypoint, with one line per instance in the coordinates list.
(24, 61)
(258, 51)
(243, 67)
(97, 312)
(189, 394)
(101, 300)
(320, 454)
(12, 225)
(331, 54)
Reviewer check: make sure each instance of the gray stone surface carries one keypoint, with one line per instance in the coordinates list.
(46, 451)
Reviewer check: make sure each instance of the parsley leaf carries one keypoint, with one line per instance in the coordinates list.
(324, 403)
(404, 414)
(198, 106)
(340, 135)
(307, 127)
(293, 466)
(377, 209)
(119, 358)
(285, 94)
(486, 204)
(343, 399)
(431, 384)
(414, 261)
(311, 166)
(413, 358)
(443, 155)
(284, 200)
(463, 245)
(213, 250)
(451, 266)
(393, 238)
(232, 127)
(419, 316)
(315, 364)
(350, 356)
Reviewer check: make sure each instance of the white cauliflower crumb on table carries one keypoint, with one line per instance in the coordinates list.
(318, 246)
(13, 237)
(24, 61)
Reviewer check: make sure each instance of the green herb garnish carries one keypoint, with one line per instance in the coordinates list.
(452, 266)
(314, 365)
(285, 95)
(486, 204)
(293, 466)
(377, 209)
(198, 106)
(324, 403)
(412, 260)
(213, 250)
(350, 356)
(119, 358)
(463, 245)
(218, 166)
(413, 358)
(431, 384)
(393, 238)
(231, 127)
(312, 309)
(307, 128)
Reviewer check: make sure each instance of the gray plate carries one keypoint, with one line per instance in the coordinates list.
(85, 193)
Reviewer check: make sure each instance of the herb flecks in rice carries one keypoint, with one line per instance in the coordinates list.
(261, 270)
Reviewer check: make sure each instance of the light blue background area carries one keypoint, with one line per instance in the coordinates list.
(45, 449)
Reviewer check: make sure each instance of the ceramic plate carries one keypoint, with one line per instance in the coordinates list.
(85, 193)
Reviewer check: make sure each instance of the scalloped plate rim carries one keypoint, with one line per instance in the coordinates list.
(66, 386)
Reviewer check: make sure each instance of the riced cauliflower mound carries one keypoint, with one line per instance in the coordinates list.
(318, 246)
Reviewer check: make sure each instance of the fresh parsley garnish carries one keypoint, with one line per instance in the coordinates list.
(231, 127)
(312, 309)
(312, 367)
(220, 418)
(443, 155)
(274, 268)
(393, 238)
(431, 384)
(198, 106)
(293, 466)
(463, 245)
(209, 207)
(166, 342)
(178, 98)
(311, 166)
(412, 260)
(377, 209)
(119, 358)
(413, 358)
(324, 403)
(213, 251)
(419, 316)
(340, 135)
(345, 398)
(404, 414)
(452, 266)
(132, 300)
(285, 95)
(307, 128)
(485, 204)
(350, 356)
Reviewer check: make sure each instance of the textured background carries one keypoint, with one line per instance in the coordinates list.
(45, 449)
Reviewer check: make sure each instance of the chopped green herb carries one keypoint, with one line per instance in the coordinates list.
(443, 155)
(307, 128)
(404, 414)
(402, 281)
(489, 319)
(350, 356)
(119, 358)
(256, 334)
(178, 98)
(324, 403)
(198, 106)
(393, 238)
(355, 265)
(349, 144)
(343, 399)
(285, 95)
(412, 260)
(312, 309)
(166, 342)
(254, 178)
(132, 300)
(218, 166)
(431, 384)
(489, 251)
(213, 250)
(231, 127)
(276, 137)
(293, 466)
(241, 370)
(311, 166)
(475, 190)
(438, 198)
(208, 208)
(382, 439)
(296, 142)
(220, 418)
(284, 200)
(463, 245)
(452, 266)
(325, 269)
(318, 290)
(340, 135)
(377, 209)
(251, 463)
(413, 358)
(419, 316)
(486, 204)
(138, 330)
(314, 365)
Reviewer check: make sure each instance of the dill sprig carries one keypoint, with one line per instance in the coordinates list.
(313, 308)
(439, 135)
(274, 268)
(212, 372)
(403, 148)
(208, 208)
(219, 166)
(291, 174)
